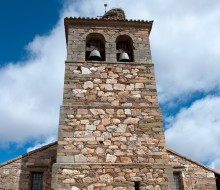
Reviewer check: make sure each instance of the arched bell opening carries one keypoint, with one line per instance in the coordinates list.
(124, 49)
(95, 47)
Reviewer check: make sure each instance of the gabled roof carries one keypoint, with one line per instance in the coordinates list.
(29, 153)
(194, 162)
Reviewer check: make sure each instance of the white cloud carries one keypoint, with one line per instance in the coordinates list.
(31, 91)
(215, 164)
(185, 47)
(195, 131)
(38, 145)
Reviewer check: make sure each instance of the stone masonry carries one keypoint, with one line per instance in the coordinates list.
(110, 132)
(16, 174)
(193, 175)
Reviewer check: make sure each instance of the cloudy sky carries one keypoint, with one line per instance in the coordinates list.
(185, 43)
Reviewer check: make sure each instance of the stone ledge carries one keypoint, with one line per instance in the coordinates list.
(108, 63)
(112, 107)
(154, 165)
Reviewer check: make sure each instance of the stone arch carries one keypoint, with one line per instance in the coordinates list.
(124, 48)
(116, 35)
(95, 47)
(91, 31)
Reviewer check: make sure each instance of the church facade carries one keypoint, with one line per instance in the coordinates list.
(111, 133)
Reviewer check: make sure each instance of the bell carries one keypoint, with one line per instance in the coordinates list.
(95, 55)
(124, 57)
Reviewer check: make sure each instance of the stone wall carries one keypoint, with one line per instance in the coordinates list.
(76, 44)
(16, 174)
(113, 176)
(110, 109)
(110, 116)
(194, 176)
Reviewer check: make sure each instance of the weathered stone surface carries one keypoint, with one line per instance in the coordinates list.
(84, 121)
(79, 158)
(101, 68)
(110, 158)
(97, 111)
(69, 146)
(106, 178)
(88, 84)
(65, 159)
(87, 151)
(111, 128)
(106, 87)
(120, 179)
(116, 121)
(126, 160)
(119, 188)
(111, 81)
(100, 150)
(90, 127)
(149, 175)
(70, 172)
(68, 181)
(82, 111)
(128, 111)
(97, 81)
(139, 85)
(93, 69)
(119, 87)
(121, 128)
(131, 120)
(130, 87)
(79, 92)
(107, 142)
(88, 180)
(106, 121)
(83, 134)
(75, 188)
(115, 103)
(120, 112)
(157, 187)
(85, 70)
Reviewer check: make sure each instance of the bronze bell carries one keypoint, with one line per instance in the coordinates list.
(95, 55)
(124, 57)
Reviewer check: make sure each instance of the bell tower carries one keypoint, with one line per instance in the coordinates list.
(110, 131)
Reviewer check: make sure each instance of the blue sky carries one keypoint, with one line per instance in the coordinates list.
(20, 22)
(185, 45)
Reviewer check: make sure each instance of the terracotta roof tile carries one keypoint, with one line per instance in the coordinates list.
(109, 19)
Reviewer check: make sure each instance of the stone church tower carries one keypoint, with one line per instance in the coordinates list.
(110, 132)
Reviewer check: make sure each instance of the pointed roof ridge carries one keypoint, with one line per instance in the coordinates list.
(29, 153)
(193, 161)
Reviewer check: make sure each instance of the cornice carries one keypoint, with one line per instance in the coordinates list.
(100, 22)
